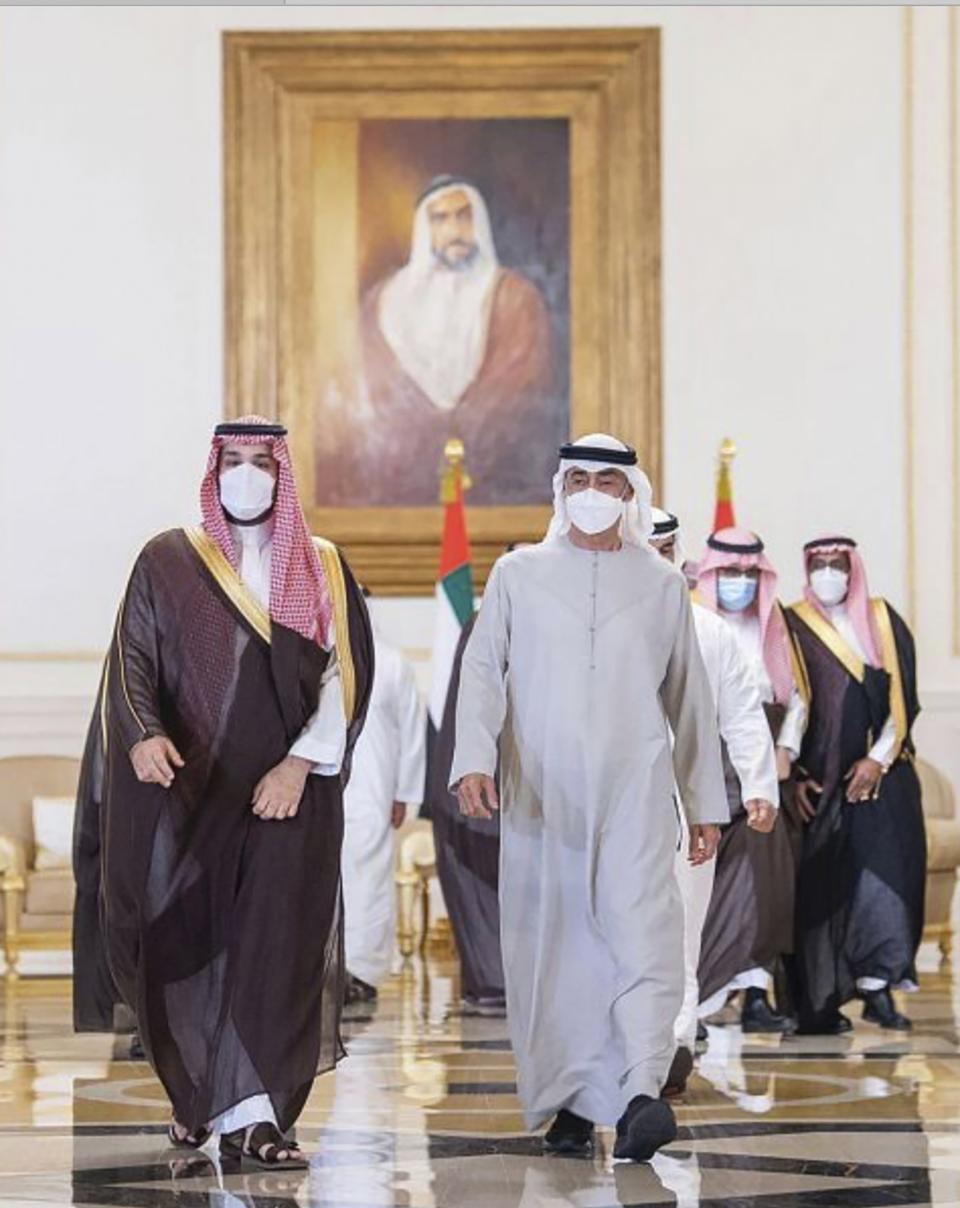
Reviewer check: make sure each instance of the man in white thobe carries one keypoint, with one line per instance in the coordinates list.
(584, 649)
(389, 766)
(743, 727)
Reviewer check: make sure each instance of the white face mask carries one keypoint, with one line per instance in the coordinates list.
(593, 511)
(246, 492)
(830, 585)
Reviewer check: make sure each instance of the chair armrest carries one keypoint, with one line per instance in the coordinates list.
(417, 852)
(13, 862)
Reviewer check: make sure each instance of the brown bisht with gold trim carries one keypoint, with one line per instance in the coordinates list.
(222, 931)
(862, 872)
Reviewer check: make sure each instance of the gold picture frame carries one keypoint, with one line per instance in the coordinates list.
(284, 89)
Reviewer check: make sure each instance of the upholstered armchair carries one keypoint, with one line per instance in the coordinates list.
(943, 853)
(36, 903)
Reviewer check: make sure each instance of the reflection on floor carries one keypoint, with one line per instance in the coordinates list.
(423, 1114)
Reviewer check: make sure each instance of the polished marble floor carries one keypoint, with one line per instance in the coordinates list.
(423, 1114)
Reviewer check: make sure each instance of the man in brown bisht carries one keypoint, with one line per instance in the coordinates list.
(468, 866)
(211, 813)
(749, 924)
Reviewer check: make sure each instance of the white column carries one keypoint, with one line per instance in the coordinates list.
(932, 369)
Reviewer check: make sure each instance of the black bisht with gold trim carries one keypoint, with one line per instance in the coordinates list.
(862, 871)
(221, 931)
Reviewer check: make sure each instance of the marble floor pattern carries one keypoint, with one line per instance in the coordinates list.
(423, 1114)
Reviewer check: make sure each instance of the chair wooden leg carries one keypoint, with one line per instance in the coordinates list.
(424, 912)
(407, 883)
(12, 905)
(946, 944)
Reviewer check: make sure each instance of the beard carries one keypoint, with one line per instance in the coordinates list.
(456, 264)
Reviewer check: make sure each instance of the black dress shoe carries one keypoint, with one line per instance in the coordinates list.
(646, 1126)
(358, 990)
(488, 1008)
(878, 1007)
(831, 1023)
(569, 1134)
(680, 1070)
(759, 1016)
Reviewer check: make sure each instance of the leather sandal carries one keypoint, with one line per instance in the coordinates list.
(187, 1140)
(262, 1144)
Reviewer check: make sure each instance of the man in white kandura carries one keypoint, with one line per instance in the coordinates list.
(744, 729)
(389, 768)
(583, 651)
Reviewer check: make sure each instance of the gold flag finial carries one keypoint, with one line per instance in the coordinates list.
(723, 514)
(454, 474)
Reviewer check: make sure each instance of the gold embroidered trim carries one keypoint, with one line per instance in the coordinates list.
(798, 664)
(830, 638)
(333, 571)
(123, 670)
(240, 596)
(104, 690)
(891, 663)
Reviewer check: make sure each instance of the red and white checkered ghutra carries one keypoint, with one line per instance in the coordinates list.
(299, 594)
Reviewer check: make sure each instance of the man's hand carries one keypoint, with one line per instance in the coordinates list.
(761, 815)
(398, 815)
(278, 794)
(784, 759)
(805, 788)
(704, 840)
(477, 794)
(864, 780)
(154, 760)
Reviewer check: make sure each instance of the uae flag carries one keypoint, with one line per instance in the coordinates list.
(454, 584)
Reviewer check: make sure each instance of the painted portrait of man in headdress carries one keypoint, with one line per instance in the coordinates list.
(467, 336)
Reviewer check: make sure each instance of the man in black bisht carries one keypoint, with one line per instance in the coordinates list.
(860, 889)
(210, 814)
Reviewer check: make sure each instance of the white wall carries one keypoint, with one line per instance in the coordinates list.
(782, 281)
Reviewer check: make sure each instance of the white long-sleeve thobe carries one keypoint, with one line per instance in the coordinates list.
(745, 626)
(883, 749)
(577, 660)
(743, 727)
(323, 741)
(389, 764)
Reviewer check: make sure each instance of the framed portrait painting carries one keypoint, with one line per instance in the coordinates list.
(436, 237)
